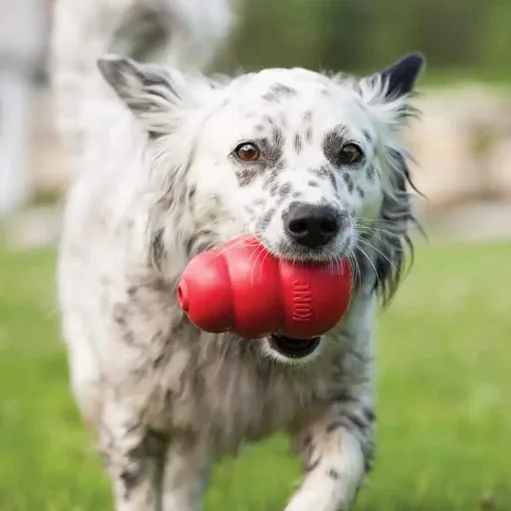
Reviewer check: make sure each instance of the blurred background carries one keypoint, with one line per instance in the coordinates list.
(444, 352)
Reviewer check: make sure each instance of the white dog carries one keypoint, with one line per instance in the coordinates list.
(171, 163)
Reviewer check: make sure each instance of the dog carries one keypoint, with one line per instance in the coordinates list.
(170, 162)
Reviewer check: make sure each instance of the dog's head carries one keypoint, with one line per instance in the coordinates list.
(312, 164)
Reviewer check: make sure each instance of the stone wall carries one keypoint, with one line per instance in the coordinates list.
(463, 147)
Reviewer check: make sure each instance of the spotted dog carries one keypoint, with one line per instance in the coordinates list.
(171, 163)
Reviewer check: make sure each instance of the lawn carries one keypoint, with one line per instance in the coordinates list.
(444, 398)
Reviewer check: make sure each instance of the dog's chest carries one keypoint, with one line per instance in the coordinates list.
(227, 395)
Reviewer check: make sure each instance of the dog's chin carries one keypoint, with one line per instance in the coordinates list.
(289, 351)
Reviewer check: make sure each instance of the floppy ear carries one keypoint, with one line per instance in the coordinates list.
(153, 94)
(390, 91)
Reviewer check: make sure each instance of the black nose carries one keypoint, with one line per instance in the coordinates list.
(311, 225)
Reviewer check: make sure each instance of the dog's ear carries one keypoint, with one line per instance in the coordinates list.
(152, 93)
(392, 89)
(400, 78)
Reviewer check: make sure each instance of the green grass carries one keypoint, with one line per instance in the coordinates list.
(444, 398)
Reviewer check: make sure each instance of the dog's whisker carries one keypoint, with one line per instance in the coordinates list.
(393, 265)
(363, 252)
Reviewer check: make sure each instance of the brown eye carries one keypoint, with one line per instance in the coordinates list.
(350, 154)
(247, 152)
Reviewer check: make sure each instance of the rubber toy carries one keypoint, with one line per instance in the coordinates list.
(241, 288)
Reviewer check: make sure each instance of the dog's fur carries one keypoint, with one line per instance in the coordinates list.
(157, 183)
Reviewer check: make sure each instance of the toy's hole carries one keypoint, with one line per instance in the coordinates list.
(182, 296)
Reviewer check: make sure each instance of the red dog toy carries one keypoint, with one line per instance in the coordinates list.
(240, 287)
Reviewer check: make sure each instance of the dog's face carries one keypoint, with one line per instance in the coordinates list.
(311, 164)
(292, 157)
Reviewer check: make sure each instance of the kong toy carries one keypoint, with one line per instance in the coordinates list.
(242, 288)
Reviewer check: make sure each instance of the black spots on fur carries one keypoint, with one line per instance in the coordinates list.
(191, 193)
(157, 249)
(268, 120)
(333, 426)
(278, 92)
(130, 477)
(307, 121)
(318, 171)
(199, 242)
(284, 90)
(285, 189)
(350, 421)
(297, 143)
(334, 474)
(297, 195)
(344, 399)
(370, 172)
(368, 461)
(324, 92)
(325, 171)
(313, 184)
(312, 465)
(260, 128)
(333, 143)
(267, 218)
(349, 181)
(369, 414)
(361, 192)
(333, 180)
(274, 189)
(277, 139)
(133, 462)
(248, 174)
(367, 135)
(120, 315)
(284, 192)
(137, 460)
(308, 135)
(155, 443)
(357, 421)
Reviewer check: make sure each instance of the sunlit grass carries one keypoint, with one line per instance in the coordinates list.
(444, 398)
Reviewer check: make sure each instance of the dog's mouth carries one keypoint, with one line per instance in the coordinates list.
(294, 348)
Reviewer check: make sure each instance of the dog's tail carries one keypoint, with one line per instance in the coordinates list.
(182, 33)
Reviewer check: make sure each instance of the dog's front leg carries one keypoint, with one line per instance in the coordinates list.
(133, 455)
(336, 451)
(187, 469)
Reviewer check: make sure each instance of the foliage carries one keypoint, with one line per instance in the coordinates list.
(360, 35)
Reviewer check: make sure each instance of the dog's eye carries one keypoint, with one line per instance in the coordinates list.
(350, 154)
(247, 152)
